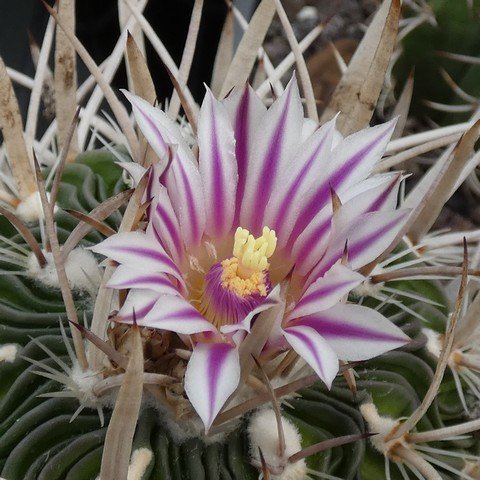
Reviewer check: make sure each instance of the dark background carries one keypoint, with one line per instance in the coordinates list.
(98, 29)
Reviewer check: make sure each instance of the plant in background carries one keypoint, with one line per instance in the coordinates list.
(448, 34)
(241, 254)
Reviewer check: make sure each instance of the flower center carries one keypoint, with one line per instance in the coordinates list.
(237, 285)
(244, 272)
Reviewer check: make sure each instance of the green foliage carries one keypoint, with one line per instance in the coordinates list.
(457, 31)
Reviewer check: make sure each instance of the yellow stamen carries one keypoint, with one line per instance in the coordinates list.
(252, 253)
(243, 287)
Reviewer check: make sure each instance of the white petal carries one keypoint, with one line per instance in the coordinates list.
(275, 141)
(138, 301)
(164, 225)
(140, 251)
(297, 180)
(327, 291)
(366, 237)
(182, 178)
(212, 375)
(127, 277)
(218, 165)
(356, 332)
(245, 110)
(176, 314)
(315, 350)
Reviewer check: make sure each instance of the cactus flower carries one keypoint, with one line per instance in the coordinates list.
(244, 222)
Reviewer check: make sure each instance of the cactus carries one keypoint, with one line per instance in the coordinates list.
(440, 42)
(265, 311)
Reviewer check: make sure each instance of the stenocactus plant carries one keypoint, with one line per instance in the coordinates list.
(245, 292)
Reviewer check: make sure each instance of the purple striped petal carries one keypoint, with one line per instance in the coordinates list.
(212, 375)
(183, 178)
(315, 350)
(376, 193)
(185, 188)
(139, 251)
(300, 176)
(175, 314)
(326, 291)
(245, 110)
(164, 226)
(310, 246)
(157, 128)
(355, 332)
(275, 141)
(127, 277)
(138, 301)
(218, 165)
(270, 301)
(367, 236)
(352, 161)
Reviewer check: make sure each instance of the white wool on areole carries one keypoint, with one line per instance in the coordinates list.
(81, 269)
(85, 381)
(30, 208)
(263, 435)
(379, 424)
(8, 353)
(434, 341)
(139, 462)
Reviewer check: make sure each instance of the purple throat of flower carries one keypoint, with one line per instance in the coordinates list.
(236, 286)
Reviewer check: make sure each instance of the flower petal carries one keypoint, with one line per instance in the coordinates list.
(218, 165)
(138, 301)
(375, 193)
(352, 161)
(272, 299)
(299, 177)
(182, 179)
(175, 314)
(315, 350)
(326, 291)
(128, 277)
(366, 237)
(139, 251)
(185, 188)
(245, 110)
(164, 225)
(212, 375)
(355, 332)
(275, 141)
(156, 126)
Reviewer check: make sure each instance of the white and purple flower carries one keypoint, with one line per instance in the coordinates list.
(252, 212)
